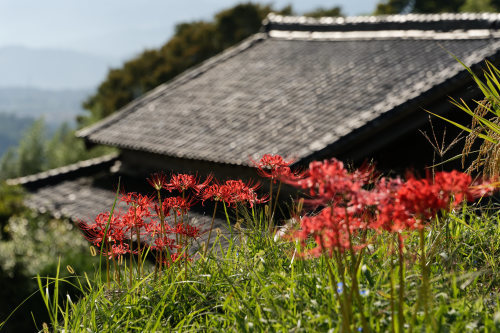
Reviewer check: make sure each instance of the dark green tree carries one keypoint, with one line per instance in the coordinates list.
(8, 164)
(322, 12)
(431, 6)
(31, 151)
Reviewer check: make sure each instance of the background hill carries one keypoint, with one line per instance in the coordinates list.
(48, 83)
(53, 69)
(56, 106)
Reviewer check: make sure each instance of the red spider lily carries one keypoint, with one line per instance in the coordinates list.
(94, 232)
(161, 243)
(236, 192)
(183, 182)
(139, 210)
(137, 199)
(117, 250)
(392, 215)
(481, 189)
(329, 182)
(215, 192)
(410, 204)
(331, 230)
(158, 180)
(390, 204)
(275, 167)
(424, 198)
(186, 230)
(178, 204)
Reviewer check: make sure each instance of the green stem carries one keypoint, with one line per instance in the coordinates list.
(130, 270)
(276, 200)
(227, 218)
(139, 254)
(391, 279)
(107, 265)
(346, 296)
(333, 285)
(270, 206)
(401, 303)
(211, 228)
(424, 290)
(354, 275)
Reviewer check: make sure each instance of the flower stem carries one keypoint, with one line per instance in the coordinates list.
(211, 227)
(424, 289)
(333, 285)
(401, 303)
(130, 270)
(391, 279)
(276, 200)
(269, 213)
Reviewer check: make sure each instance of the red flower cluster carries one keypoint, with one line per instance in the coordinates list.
(233, 192)
(274, 167)
(184, 182)
(356, 201)
(139, 221)
(330, 183)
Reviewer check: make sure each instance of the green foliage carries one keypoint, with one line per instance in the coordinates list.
(31, 151)
(11, 203)
(11, 129)
(37, 153)
(478, 6)
(322, 12)
(261, 284)
(431, 6)
(34, 244)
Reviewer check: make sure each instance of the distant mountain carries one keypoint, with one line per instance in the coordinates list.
(51, 68)
(56, 106)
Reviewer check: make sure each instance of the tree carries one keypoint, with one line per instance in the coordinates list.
(31, 151)
(322, 12)
(479, 6)
(8, 164)
(431, 6)
(64, 148)
(37, 153)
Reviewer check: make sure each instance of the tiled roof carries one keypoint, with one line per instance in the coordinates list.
(54, 175)
(300, 87)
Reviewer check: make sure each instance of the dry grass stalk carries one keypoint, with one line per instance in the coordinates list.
(488, 158)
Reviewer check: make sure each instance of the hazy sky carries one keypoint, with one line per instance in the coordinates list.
(120, 28)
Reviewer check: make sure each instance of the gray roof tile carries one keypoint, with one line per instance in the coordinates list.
(296, 94)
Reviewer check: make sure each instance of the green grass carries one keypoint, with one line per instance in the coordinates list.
(265, 285)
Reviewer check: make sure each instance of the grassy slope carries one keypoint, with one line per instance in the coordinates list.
(261, 285)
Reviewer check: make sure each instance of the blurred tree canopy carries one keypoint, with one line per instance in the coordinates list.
(36, 152)
(323, 12)
(192, 43)
(432, 6)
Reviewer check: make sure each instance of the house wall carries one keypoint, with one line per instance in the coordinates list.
(140, 163)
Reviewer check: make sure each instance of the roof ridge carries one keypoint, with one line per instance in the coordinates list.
(64, 170)
(443, 21)
(178, 80)
(395, 18)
